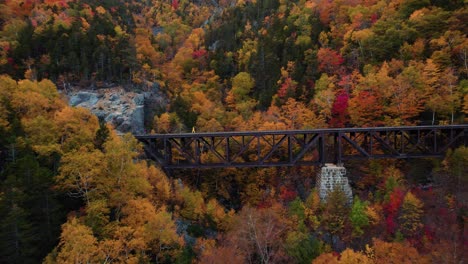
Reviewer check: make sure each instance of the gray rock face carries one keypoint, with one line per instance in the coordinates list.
(83, 98)
(139, 99)
(124, 110)
(137, 120)
(114, 97)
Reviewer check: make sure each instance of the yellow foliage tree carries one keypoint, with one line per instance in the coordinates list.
(4, 124)
(154, 228)
(43, 135)
(411, 215)
(193, 205)
(124, 178)
(31, 99)
(8, 86)
(297, 116)
(394, 252)
(160, 184)
(80, 172)
(312, 206)
(77, 128)
(216, 213)
(77, 244)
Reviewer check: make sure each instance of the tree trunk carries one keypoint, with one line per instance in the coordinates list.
(433, 117)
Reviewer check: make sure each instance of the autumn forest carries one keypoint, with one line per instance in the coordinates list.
(73, 189)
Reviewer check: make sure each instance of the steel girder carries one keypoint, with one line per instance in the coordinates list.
(300, 147)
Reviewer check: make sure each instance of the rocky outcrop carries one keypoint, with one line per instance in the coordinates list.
(124, 110)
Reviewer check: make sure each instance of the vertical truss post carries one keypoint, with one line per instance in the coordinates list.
(227, 151)
(465, 136)
(402, 143)
(338, 147)
(419, 137)
(167, 151)
(258, 148)
(197, 157)
(322, 149)
(451, 135)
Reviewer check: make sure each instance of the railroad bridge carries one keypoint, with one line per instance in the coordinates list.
(300, 147)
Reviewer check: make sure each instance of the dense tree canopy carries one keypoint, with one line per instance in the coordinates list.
(72, 190)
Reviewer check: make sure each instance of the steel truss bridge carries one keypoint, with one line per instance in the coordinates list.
(300, 147)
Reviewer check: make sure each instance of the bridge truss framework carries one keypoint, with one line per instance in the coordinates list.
(300, 147)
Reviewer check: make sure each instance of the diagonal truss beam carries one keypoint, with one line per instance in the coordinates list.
(300, 147)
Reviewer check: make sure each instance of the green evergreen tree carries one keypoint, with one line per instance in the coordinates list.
(358, 216)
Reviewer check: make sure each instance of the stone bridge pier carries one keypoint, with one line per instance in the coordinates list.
(332, 177)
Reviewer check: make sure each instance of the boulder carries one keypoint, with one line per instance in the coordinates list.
(114, 97)
(125, 127)
(84, 99)
(101, 114)
(139, 99)
(117, 121)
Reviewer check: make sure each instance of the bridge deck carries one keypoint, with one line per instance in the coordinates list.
(300, 147)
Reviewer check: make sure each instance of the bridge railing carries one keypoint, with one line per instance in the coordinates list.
(300, 147)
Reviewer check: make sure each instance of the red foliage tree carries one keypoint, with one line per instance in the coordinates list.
(287, 88)
(175, 4)
(374, 18)
(199, 53)
(366, 109)
(340, 110)
(287, 194)
(329, 60)
(391, 208)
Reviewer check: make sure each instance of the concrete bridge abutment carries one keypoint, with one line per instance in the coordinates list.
(331, 177)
